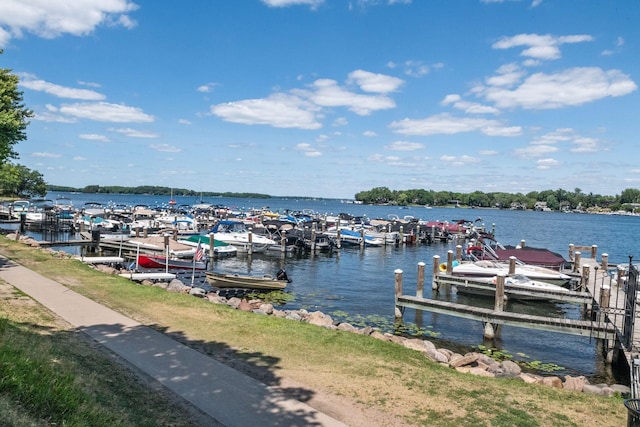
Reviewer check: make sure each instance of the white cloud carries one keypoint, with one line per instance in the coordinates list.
(540, 46)
(458, 161)
(166, 148)
(206, 88)
(50, 19)
(445, 124)
(105, 112)
(94, 137)
(285, 3)
(547, 163)
(327, 93)
(372, 82)
(302, 108)
(308, 150)
(533, 151)
(278, 110)
(134, 133)
(369, 133)
(31, 82)
(46, 155)
(404, 146)
(571, 87)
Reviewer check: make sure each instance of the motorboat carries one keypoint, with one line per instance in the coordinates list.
(487, 268)
(237, 234)
(354, 237)
(265, 282)
(517, 286)
(160, 261)
(220, 248)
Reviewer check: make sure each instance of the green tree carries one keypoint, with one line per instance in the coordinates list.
(13, 115)
(18, 180)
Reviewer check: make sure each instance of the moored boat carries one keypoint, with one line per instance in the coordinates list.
(517, 286)
(160, 261)
(486, 268)
(220, 248)
(236, 233)
(265, 282)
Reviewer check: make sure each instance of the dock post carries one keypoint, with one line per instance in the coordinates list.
(493, 229)
(420, 284)
(576, 262)
(283, 241)
(402, 234)
(512, 265)
(398, 292)
(605, 262)
(435, 271)
(250, 247)
(313, 240)
(491, 330)
(338, 239)
(459, 252)
(584, 280)
(499, 306)
(212, 244)
(571, 249)
(594, 251)
(449, 261)
(362, 238)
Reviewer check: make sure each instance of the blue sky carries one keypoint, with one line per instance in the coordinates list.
(326, 98)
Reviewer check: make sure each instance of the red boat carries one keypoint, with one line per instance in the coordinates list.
(159, 261)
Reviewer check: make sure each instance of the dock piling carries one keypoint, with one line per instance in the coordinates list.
(420, 284)
(435, 271)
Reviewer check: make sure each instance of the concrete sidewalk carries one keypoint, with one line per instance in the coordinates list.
(228, 396)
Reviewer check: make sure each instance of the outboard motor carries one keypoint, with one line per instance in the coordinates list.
(282, 275)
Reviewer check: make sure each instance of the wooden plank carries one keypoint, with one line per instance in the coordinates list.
(574, 327)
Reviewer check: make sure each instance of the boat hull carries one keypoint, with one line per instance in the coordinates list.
(220, 280)
(156, 261)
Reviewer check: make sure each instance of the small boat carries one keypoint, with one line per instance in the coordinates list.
(266, 282)
(237, 234)
(220, 248)
(486, 268)
(350, 237)
(539, 291)
(159, 261)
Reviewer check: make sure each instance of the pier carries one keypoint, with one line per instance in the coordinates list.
(608, 295)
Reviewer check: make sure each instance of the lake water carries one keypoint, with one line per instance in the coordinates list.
(358, 285)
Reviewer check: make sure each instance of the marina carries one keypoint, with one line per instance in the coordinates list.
(356, 283)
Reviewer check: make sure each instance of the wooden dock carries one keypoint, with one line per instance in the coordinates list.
(607, 293)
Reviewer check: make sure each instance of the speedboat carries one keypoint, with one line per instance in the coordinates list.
(220, 248)
(517, 286)
(237, 234)
(486, 268)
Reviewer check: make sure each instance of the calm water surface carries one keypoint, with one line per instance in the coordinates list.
(358, 285)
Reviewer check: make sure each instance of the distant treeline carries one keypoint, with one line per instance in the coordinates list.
(551, 199)
(154, 190)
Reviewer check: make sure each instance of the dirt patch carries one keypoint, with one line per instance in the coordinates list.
(10, 295)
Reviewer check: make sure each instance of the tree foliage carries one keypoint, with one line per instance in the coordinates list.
(18, 180)
(13, 115)
(559, 199)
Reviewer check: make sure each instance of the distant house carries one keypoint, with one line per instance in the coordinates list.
(517, 206)
(541, 206)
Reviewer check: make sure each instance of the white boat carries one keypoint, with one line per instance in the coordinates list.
(487, 268)
(237, 234)
(525, 288)
(220, 248)
(354, 237)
